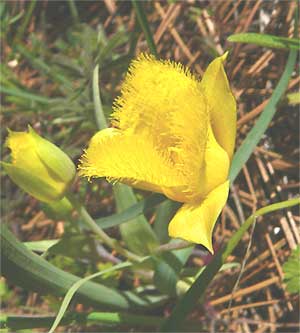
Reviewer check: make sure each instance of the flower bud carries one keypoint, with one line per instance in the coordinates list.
(38, 166)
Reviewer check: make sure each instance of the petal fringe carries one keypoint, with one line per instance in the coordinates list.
(162, 100)
(133, 160)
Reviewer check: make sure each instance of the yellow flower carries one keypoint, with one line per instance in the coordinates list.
(38, 166)
(174, 135)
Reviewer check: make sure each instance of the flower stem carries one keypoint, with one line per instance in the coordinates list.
(172, 246)
(88, 220)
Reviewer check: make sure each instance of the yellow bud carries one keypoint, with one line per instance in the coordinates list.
(38, 166)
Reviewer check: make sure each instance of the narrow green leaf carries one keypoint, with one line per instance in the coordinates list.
(168, 268)
(47, 70)
(24, 94)
(198, 288)
(28, 270)
(137, 233)
(41, 246)
(16, 322)
(25, 22)
(266, 40)
(76, 286)
(244, 152)
(291, 269)
(132, 212)
(142, 18)
(106, 51)
(164, 213)
(73, 10)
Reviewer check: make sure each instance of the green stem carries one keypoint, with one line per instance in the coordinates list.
(111, 242)
(142, 18)
(172, 246)
(99, 113)
(198, 288)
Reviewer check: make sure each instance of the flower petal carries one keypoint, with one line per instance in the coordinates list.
(215, 168)
(162, 100)
(133, 160)
(222, 104)
(195, 222)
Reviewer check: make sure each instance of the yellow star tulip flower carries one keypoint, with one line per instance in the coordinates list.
(174, 135)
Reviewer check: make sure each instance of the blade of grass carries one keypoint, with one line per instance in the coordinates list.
(73, 10)
(244, 152)
(132, 212)
(266, 40)
(137, 233)
(69, 295)
(48, 71)
(23, 26)
(24, 94)
(197, 290)
(164, 214)
(142, 18)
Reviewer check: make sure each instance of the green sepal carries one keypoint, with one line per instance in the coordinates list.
(32, 184)
(54, 158)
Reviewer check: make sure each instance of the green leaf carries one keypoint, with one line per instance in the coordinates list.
(164, 213)
(245, 150)
(41, 246)
(168, 267)
(22, 27)
(132, 212)
(74, 288)
(73, 246)
(266, 40)
(24, 94)
(28, 270)
(142, 18)
(137, 233)
(16, 322)
(74, 12)
(184, 284)
(291, 269)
